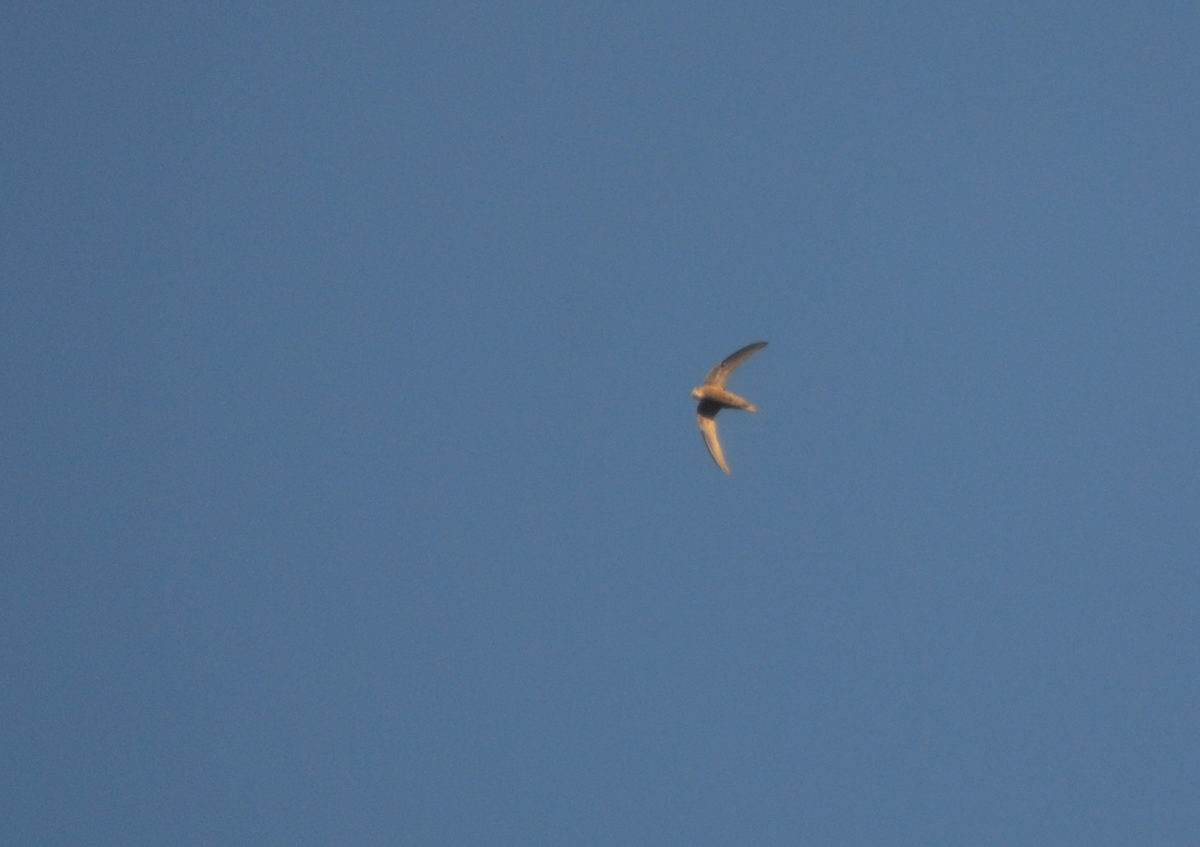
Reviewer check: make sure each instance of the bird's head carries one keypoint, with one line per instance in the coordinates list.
(696, 393)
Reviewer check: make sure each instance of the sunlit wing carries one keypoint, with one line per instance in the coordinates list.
(706, 416)
(721, 372)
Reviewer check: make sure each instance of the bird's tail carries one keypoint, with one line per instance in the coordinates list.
(728, 398)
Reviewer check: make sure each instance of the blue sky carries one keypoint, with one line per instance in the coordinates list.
(351, 490)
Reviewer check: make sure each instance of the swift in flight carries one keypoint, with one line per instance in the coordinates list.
(713, 398)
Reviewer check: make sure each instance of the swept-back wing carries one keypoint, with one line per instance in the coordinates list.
(706, 416)
(721, 372)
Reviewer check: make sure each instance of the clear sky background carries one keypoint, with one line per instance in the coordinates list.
(351, 488)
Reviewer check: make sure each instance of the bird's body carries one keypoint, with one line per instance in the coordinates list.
(722, 399)
(713, 398)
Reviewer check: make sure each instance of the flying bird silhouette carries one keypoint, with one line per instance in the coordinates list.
(713, 398)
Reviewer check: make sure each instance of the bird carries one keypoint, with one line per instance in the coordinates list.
(713, 398)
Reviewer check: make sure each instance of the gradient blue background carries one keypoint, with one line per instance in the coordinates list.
(352, 494)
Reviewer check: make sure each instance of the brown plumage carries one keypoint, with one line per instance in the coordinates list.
(713, 398)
